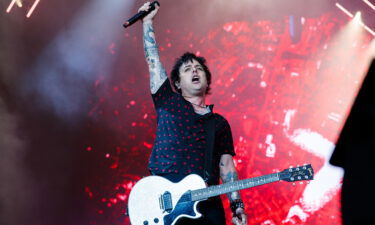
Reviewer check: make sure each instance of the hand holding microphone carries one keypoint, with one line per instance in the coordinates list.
(146, 13)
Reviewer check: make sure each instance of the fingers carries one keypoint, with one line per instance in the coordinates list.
(237, 221)
(144, 7)
(244, 219)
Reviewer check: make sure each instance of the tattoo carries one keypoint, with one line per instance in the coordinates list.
(230, 177)
(157, 71)
(149, 34)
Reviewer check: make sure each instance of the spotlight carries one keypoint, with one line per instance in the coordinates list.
(19, 3)
(32, 8)
(344, 10)
(369, 30)
(10, 6)
(372, 6)
(357, 18)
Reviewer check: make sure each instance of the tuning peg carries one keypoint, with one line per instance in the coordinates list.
(308, 182)
(301, 182)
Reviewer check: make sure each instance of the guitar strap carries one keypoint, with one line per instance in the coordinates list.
(208, 168)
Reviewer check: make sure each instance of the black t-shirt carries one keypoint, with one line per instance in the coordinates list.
(181, 137)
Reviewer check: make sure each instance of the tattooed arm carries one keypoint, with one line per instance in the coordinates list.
(156, 69)
(228, 173)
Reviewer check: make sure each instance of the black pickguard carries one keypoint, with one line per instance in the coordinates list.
(184, 206)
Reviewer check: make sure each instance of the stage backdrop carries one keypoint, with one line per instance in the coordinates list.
(284, 84)
(77, 122)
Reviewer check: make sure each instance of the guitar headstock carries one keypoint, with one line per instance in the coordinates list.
(299, 173)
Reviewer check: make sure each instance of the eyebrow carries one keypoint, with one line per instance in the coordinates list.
(194, 66)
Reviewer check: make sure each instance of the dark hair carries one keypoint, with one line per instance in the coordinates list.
(188, 56)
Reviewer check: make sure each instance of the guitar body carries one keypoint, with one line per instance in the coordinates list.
(156, 200)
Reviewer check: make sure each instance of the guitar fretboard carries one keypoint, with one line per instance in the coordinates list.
(215, 190)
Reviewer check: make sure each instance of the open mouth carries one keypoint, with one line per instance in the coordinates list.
(195, 79)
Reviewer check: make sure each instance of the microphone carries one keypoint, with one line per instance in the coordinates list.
(140, 15)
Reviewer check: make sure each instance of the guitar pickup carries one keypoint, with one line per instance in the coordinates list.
(165, 202)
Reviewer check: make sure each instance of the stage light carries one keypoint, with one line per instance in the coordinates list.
(368, 29)
(372, 6)
(357, 18)
(10, 6)
(344, 10)
(19, 3)
(32, 8)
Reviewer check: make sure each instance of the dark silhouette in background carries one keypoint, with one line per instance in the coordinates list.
(355, 153)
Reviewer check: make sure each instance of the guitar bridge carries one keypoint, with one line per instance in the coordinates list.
(165, 202)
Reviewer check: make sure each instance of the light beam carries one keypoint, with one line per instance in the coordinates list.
(10, 6)
(368, 29)
(32, 8)
(372, 6)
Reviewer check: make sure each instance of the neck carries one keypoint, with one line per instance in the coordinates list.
(199, 101)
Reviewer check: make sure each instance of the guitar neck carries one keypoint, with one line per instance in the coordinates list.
(215, 190)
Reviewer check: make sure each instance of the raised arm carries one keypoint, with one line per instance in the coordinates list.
(156, 69)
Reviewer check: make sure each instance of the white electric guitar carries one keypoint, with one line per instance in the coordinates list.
(155, 200)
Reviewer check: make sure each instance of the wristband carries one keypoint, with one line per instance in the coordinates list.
(235, 204)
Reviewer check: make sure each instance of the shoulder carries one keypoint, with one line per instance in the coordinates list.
(220, 118)
(220, 121)
(164, 92)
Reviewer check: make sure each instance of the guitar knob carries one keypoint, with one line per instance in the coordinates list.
(306, 177)
(292, 179)
(145, 222)
(156, 220)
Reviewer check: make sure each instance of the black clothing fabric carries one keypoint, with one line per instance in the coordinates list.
(181, 138)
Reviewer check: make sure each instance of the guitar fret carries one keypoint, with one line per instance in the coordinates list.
(233, 186)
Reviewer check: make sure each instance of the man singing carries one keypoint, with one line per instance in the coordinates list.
(183, 131)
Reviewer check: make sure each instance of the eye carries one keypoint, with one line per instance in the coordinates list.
(187, 69)
(200, 68)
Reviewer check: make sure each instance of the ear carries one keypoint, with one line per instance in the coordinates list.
(177, 84)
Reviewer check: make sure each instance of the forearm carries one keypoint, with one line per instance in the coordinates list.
(156, 69)
(229, 174)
